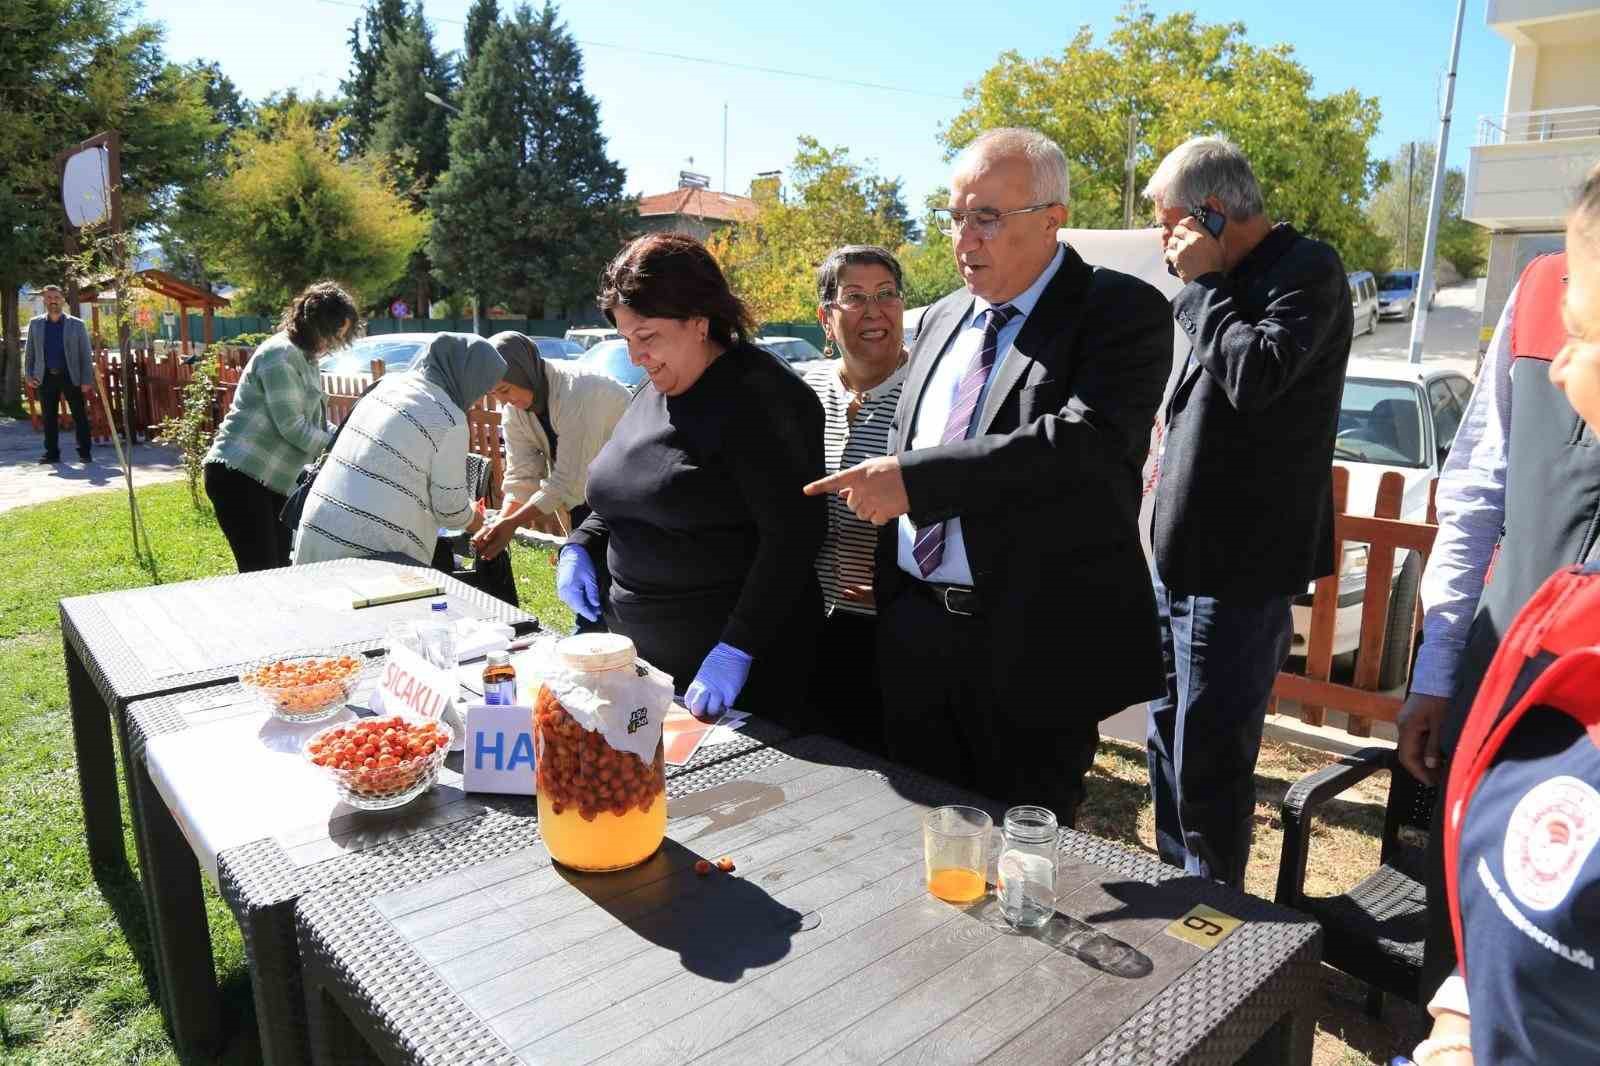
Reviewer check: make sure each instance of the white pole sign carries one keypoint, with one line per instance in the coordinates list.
(86, 188)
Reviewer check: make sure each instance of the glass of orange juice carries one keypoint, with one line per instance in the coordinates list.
(955, 851)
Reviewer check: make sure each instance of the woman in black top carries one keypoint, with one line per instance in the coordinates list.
(701, 544)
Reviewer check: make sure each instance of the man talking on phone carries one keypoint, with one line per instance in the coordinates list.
(1243, 515)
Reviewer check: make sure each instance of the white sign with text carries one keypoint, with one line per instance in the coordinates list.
(411, 684)
(498, 756)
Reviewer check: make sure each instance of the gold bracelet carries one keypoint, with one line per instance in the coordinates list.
(1430, 1047)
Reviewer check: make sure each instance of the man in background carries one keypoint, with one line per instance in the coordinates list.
(1243, 515)
(60, 362)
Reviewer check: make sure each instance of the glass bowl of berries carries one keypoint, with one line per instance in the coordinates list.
(303, 688)
(381, 763)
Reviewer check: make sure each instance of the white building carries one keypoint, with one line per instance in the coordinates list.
(1529, 160)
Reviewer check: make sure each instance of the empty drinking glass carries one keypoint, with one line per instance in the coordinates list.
(1027, 868)
(955, 852)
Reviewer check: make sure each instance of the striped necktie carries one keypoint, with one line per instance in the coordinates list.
(928, 548)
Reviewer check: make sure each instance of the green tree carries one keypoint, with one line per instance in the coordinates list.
(772, 260)
(291, 212)
(576, 209)
(70, 69)
(482, 17)
(1179, 77)
(185, 238)
(382, 17)
(476, 201)
(1463, 244)
(411, 132)
(540, 195)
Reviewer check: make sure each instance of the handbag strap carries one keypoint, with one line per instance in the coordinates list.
(340, 427)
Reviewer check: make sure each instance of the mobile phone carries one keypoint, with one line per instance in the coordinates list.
(1213, 221)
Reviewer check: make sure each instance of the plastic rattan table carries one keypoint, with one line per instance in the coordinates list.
(123, 646)
(262, 879)
(822, 947)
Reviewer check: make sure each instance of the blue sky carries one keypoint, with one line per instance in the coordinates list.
(658, 112)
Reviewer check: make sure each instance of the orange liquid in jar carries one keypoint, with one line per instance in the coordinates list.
(609, 842)
(953, 884)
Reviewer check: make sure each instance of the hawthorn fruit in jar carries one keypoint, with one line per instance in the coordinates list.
(599, 808)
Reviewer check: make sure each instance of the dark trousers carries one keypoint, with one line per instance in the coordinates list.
(847, 694)
(944, 714)
(1205, 734)
(247, 511)
(54, 385)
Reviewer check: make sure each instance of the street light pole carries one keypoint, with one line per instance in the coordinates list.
(1430, 239)
(477, 300)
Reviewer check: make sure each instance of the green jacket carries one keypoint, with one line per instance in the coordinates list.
(278, 421)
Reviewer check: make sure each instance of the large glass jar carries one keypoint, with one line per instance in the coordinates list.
(602, 785)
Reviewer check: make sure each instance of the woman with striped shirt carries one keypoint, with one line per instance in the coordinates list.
(860, 307)
(398, 472)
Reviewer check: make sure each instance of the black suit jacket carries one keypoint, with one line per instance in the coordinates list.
(1244, 506)
(1047, 490)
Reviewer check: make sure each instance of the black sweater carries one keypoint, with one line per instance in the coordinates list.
(698, 496)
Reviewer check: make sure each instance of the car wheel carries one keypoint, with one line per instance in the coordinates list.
(1397, 642)
(1372, 323)
(1411, 311)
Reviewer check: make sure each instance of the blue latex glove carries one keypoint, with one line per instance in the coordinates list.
(722, 675)
(576, 582)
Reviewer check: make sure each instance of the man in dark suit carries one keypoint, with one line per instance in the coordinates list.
(60, 363)
(1243, 515)
(1014, 602)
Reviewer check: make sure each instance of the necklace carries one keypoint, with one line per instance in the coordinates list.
(859, 397)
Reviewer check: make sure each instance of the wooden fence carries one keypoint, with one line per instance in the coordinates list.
(1384, 534)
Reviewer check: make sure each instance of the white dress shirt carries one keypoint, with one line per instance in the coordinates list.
(939, 395)
(1471, 501)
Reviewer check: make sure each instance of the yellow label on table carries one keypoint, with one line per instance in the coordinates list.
(1204, 927)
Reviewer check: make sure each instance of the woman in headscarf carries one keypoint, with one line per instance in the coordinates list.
(555, 418)
(398, 472)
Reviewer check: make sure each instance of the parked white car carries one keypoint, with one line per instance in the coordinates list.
(589, 337)
(799, 353)
(1393, 416)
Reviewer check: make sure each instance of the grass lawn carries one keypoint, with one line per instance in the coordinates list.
(74, 958)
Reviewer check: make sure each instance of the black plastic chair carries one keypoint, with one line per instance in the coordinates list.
(1374, 931)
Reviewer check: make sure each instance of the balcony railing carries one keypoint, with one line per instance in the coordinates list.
(1551, 124)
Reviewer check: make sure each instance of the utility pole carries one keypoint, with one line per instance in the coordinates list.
(1411, 159)
(1127, 167)
(724, 146)
(1430, 239)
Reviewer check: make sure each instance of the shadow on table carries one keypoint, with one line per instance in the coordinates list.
(720, 925)
(1072, 937)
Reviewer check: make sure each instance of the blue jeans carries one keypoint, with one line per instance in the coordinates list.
(1205, 733)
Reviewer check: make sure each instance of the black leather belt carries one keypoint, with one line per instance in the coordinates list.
(959, 600)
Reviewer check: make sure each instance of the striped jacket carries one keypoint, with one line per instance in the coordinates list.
(397, 474)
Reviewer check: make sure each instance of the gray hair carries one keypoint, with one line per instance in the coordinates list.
(1207, 166)
(853, 255)
(1045, 158)
(52, 288)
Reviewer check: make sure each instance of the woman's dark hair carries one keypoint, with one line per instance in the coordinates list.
(1586, 212)
(853, 255)
(671, 275)
(314, 319)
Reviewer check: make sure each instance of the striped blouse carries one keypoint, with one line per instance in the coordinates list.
(397, 473)
(847, 554)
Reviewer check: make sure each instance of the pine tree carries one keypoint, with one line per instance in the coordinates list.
(475, 204)
(366, 60)
(410, 131)
(407, 127)
(482, 17)
(574, 212)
